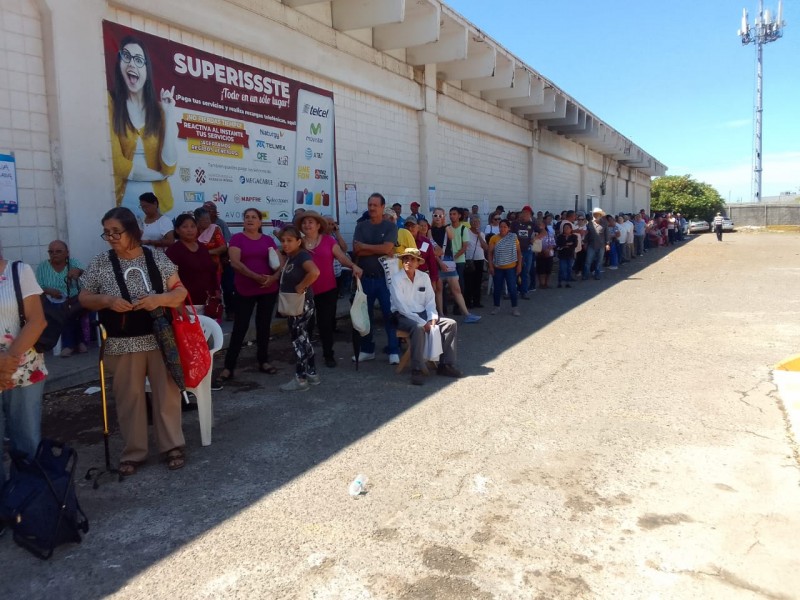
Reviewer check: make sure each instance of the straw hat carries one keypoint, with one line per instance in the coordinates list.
(413, 253)
(311, 214)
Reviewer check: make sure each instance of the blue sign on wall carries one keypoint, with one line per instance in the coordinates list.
(9, 200)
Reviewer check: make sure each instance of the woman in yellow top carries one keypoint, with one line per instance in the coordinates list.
(505, 265)
(143, 129)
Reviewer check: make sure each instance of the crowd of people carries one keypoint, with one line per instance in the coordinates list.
(402, 262)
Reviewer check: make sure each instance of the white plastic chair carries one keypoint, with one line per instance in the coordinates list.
(205, 411)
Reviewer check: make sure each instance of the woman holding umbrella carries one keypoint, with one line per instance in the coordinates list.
(132, 352)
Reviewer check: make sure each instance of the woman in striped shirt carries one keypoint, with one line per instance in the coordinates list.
(505, 265)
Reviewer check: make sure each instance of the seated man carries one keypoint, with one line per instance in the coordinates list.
(414, 306)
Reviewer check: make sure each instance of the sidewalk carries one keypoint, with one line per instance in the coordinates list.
(82, 369)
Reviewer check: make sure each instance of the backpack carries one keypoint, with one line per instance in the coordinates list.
(39, 501)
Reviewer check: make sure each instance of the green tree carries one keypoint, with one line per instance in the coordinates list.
(681, 193)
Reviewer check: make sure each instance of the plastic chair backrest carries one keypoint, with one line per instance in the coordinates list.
(212, 331)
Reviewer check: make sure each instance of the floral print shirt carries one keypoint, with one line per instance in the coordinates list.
(31, 364)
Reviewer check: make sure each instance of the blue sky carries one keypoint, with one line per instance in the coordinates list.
(671, 75)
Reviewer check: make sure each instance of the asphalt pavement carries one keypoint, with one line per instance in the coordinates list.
(621, 439)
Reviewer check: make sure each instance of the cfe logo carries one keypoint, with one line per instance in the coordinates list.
(200, 175)
(304, 172)
(316, 128)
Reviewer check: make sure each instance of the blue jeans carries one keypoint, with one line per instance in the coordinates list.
(376, 289)
(509, 277)
(565, 270)
(21, 419)
(460, 270)
(592, 255)
(613, 257)
(527, 267)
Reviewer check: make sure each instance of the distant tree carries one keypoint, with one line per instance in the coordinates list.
(681, 193)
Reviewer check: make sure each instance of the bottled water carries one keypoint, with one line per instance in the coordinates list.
(358, 486)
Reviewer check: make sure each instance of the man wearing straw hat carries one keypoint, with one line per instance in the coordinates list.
(414, 306)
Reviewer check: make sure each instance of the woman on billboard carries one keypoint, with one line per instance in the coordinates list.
(143, 129)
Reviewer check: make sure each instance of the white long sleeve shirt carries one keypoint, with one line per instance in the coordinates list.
(411, 297)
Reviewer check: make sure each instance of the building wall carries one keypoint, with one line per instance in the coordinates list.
(398, 130)
(764, 214)
(474, 167)
(25, 132)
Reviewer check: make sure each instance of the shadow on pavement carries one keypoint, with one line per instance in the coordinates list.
(262, 441)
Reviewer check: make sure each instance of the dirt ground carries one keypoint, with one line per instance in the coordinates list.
(622, 439)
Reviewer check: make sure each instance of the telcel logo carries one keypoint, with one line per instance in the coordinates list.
(316, 111)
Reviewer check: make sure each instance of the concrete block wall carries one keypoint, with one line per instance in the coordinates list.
(24, 130)
(474, 166)
(555, 184)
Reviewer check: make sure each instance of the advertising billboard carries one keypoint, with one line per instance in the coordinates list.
(193, 127)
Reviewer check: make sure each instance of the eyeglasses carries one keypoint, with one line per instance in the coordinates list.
(111, 235)
(137, 59)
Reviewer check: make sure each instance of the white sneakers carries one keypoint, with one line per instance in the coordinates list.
(394, 359)
(364, 356)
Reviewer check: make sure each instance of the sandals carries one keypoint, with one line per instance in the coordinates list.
(176, 459)
(218, 382)
(267, 368)
(129, 467)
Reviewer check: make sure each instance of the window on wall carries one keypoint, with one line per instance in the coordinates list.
(626, 187)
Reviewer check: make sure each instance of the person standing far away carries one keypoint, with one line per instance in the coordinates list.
(373, 238)
(228, 287)
(415, 212)
(157, 230)
(398, 210)
(718, 221)
(525, 230)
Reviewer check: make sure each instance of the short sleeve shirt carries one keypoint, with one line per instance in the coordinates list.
(322, 255)
(157, 230)
(293, 271)
(368, 232)
(48, 277)
(99, 278)
(31, 367)
(254, 256)
(525, 233)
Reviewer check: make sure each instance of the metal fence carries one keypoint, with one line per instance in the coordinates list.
(764, 214)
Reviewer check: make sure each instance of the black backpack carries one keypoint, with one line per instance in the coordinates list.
(39, 501)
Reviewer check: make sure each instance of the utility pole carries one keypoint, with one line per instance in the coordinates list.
(764, 30)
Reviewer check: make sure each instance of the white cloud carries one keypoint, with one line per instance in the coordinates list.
(781, 173)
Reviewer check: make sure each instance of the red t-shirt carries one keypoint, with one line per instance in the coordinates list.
(322, 256)
(197, 271)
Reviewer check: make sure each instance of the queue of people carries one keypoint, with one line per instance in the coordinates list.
(402, 263)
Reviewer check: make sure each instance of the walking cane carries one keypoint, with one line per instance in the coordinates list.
(96, 473)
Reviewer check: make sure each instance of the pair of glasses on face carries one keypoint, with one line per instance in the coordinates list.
(137, 59)
(111, 235)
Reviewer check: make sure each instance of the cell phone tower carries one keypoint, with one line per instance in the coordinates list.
(766, 29)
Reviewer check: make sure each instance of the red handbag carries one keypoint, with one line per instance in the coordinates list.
(213, 307)
(192, 345)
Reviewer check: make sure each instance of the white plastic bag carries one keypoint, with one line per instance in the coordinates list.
(433, 344)
(274, 259)
(359, 313)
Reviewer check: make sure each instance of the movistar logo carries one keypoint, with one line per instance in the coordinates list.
(316, 128)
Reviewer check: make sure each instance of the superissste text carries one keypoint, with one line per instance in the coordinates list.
(205, 69)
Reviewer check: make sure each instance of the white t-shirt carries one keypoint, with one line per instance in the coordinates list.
(157, 230)
(31, 366)
(474, 249)
(628, 229)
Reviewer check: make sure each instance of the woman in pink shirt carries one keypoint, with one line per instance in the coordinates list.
(257, 287)
(323, 249)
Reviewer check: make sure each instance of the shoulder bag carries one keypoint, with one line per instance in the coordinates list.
(290, 304)
(55, 313)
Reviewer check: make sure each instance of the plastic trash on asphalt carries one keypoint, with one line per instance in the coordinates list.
(358, 486)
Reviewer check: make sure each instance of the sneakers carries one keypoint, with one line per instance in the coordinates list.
(394, 359)
(448, 371)
(313, 379)
(525, 296)
(613, 268)
(417, 378)
(216, 385)
(364, 356)
(515, 312)
(295, 385)
(470, 318)
(495, 310)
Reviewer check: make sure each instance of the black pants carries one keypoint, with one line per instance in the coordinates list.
(473, 281)
(264, 305)
(228, 290)
(325, 307)
(718, 231)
